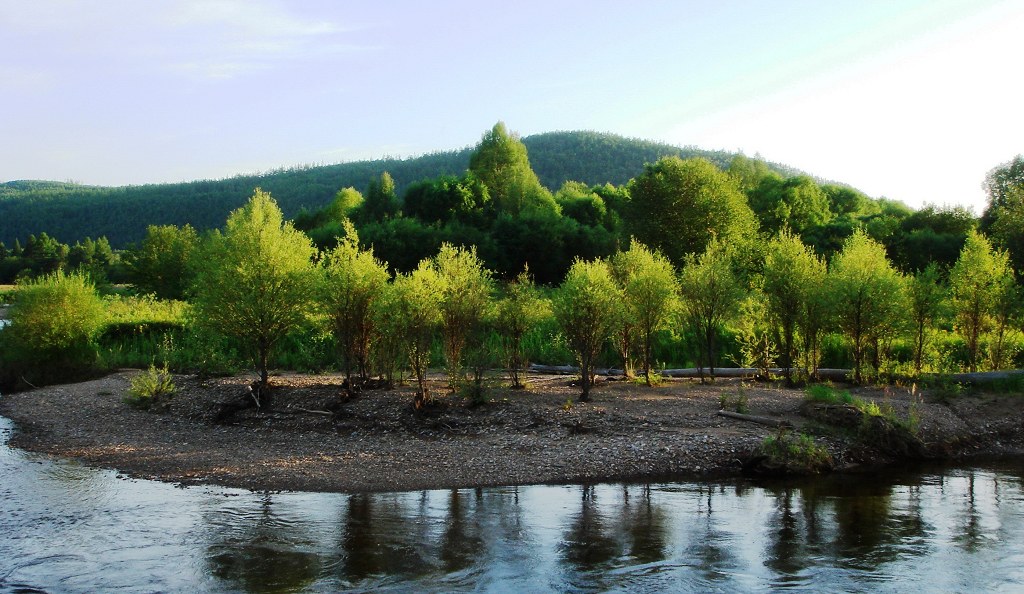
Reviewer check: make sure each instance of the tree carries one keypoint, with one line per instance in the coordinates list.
(710, 295)
(927, 296)
(500, 161)
(416, 310)
(518, 312)
(354, 281)
(381, 201)
(869, 297)
(584, 307)
(465, 297)
(256, 281)
(677, 206)
(649, 289)
(791, 273)
(160, 264)
(976, 282)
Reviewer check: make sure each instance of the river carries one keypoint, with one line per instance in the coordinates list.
(69, 528)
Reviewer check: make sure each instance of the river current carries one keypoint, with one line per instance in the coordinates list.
(65, 527)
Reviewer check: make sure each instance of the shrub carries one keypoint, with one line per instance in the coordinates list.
(55, 320)
(794, 453)
(150, 388)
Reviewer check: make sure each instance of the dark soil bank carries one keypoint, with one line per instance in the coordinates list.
(377, 442)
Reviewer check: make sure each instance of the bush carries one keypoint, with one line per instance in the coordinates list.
(150, 388)
(794, 453)
(55, 320)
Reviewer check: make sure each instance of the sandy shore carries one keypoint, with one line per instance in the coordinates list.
(376, 442)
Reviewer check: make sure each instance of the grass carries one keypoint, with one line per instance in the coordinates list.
(795, 452)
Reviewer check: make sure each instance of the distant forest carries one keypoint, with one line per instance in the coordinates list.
(71, 212)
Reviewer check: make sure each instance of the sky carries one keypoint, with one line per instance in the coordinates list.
(913, 100)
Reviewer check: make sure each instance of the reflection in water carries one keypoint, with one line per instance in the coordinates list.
(260, 551)
(66, 528)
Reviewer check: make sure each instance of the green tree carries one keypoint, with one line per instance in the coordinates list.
(256, 281)
(976, 282)
(466, 287)
(416, 310)
(160, 264)
(500, 161)
(649, 289)
(869, 297)
(354, 282)
(584, 307)
(711, 293)
(677, 207)
(518, 312)
(927, 296)
(381, 200)
(791, 274)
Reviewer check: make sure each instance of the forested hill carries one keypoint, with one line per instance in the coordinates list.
(71, 212)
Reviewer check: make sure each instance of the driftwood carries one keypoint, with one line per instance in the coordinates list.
(755, 419)
(741, 372)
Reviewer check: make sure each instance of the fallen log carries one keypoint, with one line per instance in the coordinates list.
(755, 419)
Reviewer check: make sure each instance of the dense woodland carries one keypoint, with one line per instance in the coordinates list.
(657, 255)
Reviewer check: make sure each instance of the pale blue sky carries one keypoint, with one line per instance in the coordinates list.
(914, 100)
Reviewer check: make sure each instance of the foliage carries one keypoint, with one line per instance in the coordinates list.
(353, 283)
(465, 302)
(795, 452)
(160, 264)
(710, 295)
(417, 315)
(792, 279)
(979, 282)
(869, 298)
(926, 297)
(150, 388)
(256, 284)
(649, 290)
(678, 206)
(54, 323)
(501, 163)
(518, 313)
(584, 307)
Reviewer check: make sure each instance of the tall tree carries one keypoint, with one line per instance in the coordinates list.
(677, 206)
(354, 282)
(649, 289)
(976, 282)
(256, 282)
(791, 273)
(927, 296)
(466, 287)
(500, 161)
(160, 264)
(585, 307)
(381, 200)
(711, 293)
(869, 296)
(416, 310)
(519, 312)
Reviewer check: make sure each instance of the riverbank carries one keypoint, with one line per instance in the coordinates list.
(377, 442)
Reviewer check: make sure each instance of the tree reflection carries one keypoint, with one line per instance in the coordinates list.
(461, 544)
(586, 545)
(377, 541)
(262, 553)
(645, 526)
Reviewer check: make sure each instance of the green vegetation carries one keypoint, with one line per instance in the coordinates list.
(150, 388)
(794, 453)
(478, 263)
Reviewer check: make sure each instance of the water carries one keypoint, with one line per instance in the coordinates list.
(68, 528)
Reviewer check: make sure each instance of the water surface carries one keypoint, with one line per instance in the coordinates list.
(69, 528)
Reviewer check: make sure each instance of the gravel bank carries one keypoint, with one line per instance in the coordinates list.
(377, 442)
